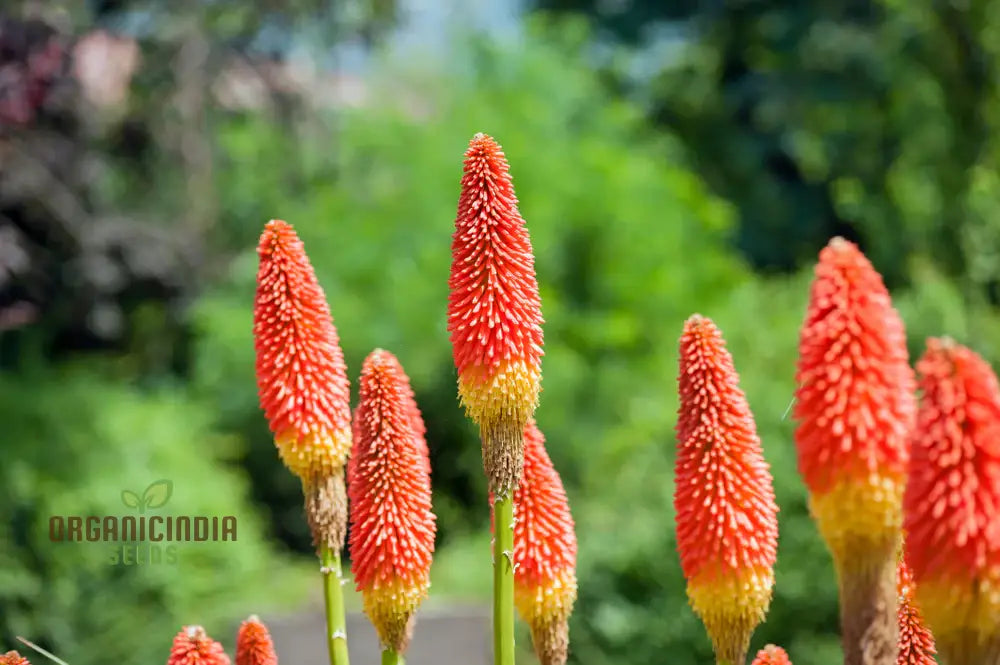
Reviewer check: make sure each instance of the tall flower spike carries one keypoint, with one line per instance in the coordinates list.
(727, 518)
(544, 552)
(952, 502)
(771, 655)
(13, 658)
(254, 645)
(494, 312)
(855, 410)
(392, 526)
(916, 644)
(301, 378)
(192, 646)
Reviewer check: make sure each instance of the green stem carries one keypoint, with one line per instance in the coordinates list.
(336, 623)
(503, 580)
(390, 657)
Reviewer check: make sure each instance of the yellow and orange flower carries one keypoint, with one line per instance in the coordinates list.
(192, 646)
(916, 644)
(855, 408)
(494, 311)
(772, 655)
(254, 645)
(727, 517)
(392, 526)
(301, 377)
(952, 501)
(544, 552)
(13, 658)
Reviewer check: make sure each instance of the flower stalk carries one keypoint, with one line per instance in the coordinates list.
(494, 321)
(727, 518)
(855, 409)
(304, 392)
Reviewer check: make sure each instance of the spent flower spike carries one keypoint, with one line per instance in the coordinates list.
(771, 655)
(301, 377)
(727, 518)
(254, 645)
(952, 502)
(392, 526)
(494, 311)
(916, 644)
(855, 408)
(192, 646)
(544, 552)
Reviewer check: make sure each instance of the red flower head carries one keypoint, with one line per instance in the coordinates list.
(13, 658)
(494, 312)
(301, 376)
(192, 646)
(727, 518)
(952, 502)
(855, 408)
(916, 644)
(392, 526)
(254, 645)
(771, 655)
(544, 552)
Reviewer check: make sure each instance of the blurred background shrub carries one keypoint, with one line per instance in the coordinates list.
(670, 158)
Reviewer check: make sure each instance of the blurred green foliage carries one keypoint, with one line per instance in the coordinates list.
(629, 241)
(73, 441)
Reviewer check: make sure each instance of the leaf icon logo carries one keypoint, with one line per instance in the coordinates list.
(155, 496)
(131, 499)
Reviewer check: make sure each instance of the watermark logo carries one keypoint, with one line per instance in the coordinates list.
(145, 537)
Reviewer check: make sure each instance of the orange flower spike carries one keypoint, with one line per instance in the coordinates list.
(301, 377)
(772, 655)
(855, 408)
(952, 502)
(254, 645)
(13, 658)
(192, 646)
(544, 552)
(494, 311)
(916, 644)
(727, 517)
(392, 526)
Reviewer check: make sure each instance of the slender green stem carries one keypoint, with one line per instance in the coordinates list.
(503, 580)
(390, 657)
(336, 623)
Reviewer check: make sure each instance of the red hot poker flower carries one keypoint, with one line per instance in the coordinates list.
(192, 646)
(494, 311)
(727, 518)
(544, 552)
(855, 408)
(952, 501)
(916, 644)
(13, 658)
(254, 645)
(772, 655)
(301, 377)
(392, 526)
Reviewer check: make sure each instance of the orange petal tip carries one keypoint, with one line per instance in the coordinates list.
(192, 646)
(772, 655)
(953, 493)
(301, 377)
(494, 310)
(392, 525)
(254, 645)
(854, 405)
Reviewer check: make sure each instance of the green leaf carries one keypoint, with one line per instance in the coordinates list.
(157, 494)
(130, 499)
